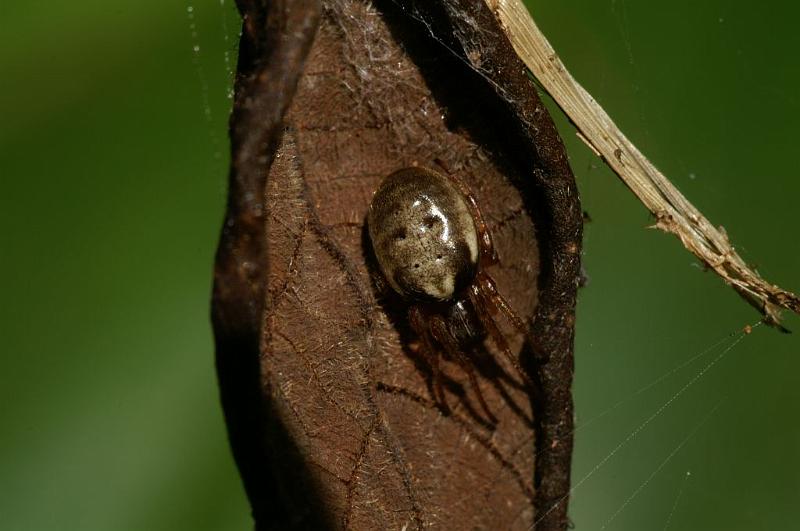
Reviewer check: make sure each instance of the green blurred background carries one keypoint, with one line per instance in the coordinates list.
(113, 156)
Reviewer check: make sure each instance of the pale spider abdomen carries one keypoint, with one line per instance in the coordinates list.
(423, 235)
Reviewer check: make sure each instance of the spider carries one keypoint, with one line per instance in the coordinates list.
(433, 248)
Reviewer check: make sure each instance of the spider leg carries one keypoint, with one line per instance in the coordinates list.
(483, 303)
(494, 298)
(430, 353)
(445, 338)
(488, 255)
(491, 295)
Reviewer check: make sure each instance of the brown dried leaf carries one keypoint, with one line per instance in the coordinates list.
(329, 409)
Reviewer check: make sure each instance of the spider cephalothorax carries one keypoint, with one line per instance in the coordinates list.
(433, 248)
